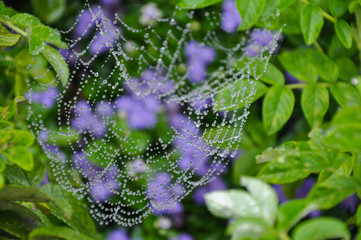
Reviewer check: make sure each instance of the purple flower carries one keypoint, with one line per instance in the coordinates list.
(149, 13)
(85, 168)
(305, 188)
(291, 79)
(280, 193)
(104, 108)
(230, 16)
(110, 2)
(46, 179)
(199, 57)
(118, 234)
(86, 121)
(104, 185)
(183, 236)
(350, 203)
(104, 40)
(260, 39)
(47, 98)
(141, 113)
(87, 21)
(164, 195)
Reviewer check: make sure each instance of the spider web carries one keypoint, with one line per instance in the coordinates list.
(131, 133)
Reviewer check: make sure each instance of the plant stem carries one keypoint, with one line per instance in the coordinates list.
(325, 14)
(318, 47)
(357, 32)
(13, 27)
(302, 85)
(283, 236)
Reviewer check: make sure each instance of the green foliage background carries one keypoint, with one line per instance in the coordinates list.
(296, 130)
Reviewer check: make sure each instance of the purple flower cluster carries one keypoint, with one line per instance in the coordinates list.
(260, 39)
(106, 35)
(47, 98)
(86, 121)
(118, 234)
(199, 57)
(102, 182)
(230, 16)
(183, 236)
(164, 195)
(142, 112)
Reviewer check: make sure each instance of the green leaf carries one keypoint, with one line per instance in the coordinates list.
(292, 212)
(248, 228)
(250, 12)
(298, 65)
(6, 11)
(345, 137)
(49, 10)
(311, 23)
(314, 103)
(332, 191)
(58, 63)
(69, 209)
(345, 94)
(8, 112)
(269, 74)
(25, 20)
(49, 35)
(277, 108)
(238, 94)
(223, 137)
(293, 167)
(245, 165)
(56, 231)
(269, 10)
(232, 204)
(325, 67)
(2, 181)
(321, 228)
(9, 39)
(21, 157)
(17, 224)
(344, 32)
(285, 3)
(22, 138)
(194, 4)
(347, 68)
(337, 7)
(260, 191)
(26, 194)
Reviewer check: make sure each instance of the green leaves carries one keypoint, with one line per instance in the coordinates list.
(292, 212)
(250, 12)
(21, 157)
(194, 4)
(311, 23)
(269, 74)
(238, 94)
(344, 32)
(57, 62)
(314, 103)
(232, 204)
(261, 191)
(55, 231)
(290, 162)
(298, 65)
(345, 133)
(277, 108)
(6, 38)
(255, 216)
(337, 7)
(321, 228)
(345, 94)
(333, 190)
